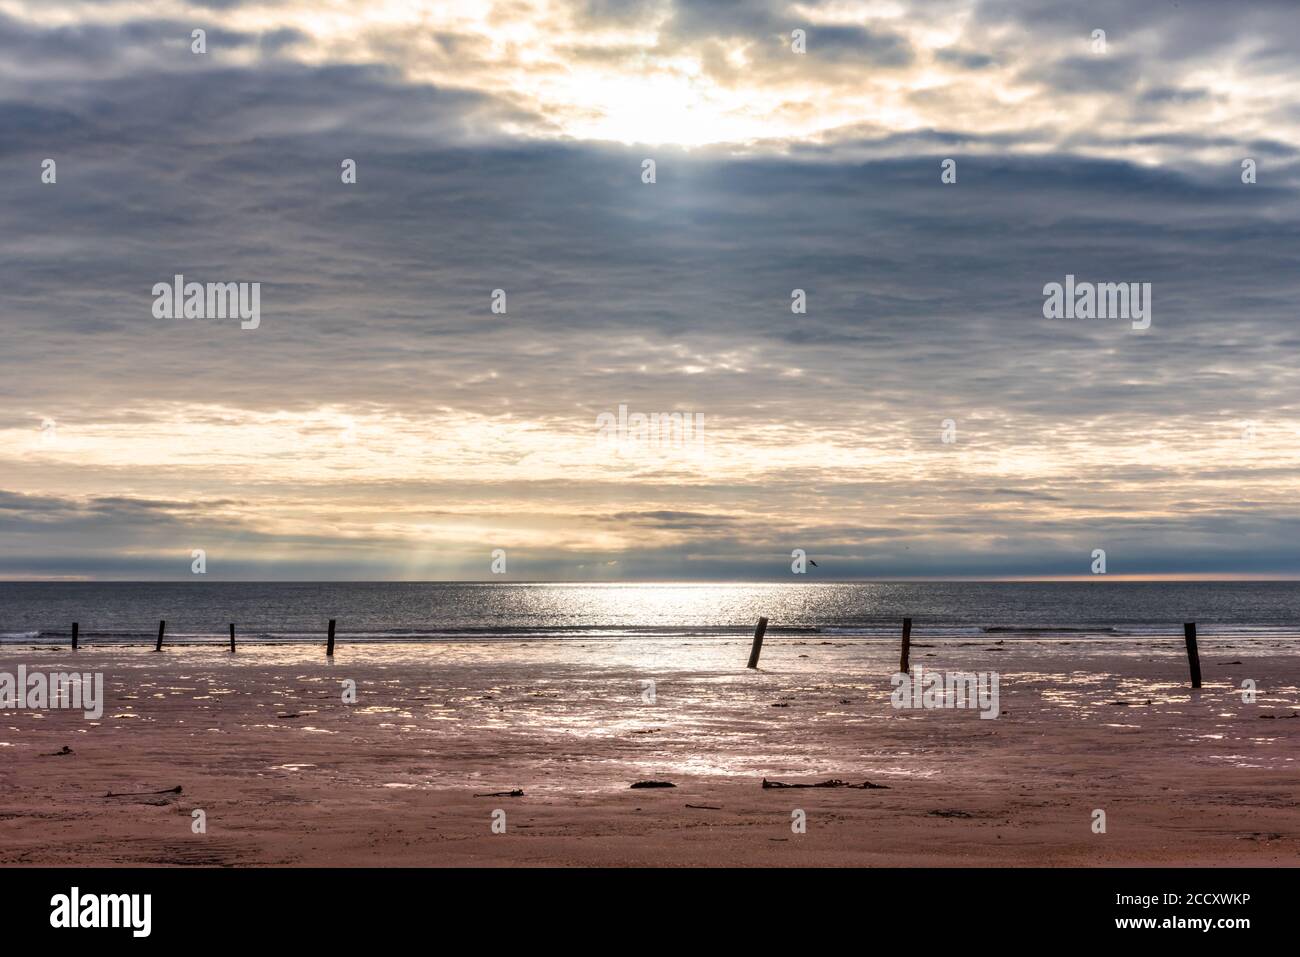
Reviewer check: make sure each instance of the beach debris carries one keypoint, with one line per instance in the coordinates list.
(1229, 662)
(704, 807)
(131, 794)
(1122, 704)
(832, 783)
(951, 814)
(59, 753)
(1293, 714)
(646, 731)
(1260, 836)
(781, 704)
(654, 784)
(516, 793)
(291, 714)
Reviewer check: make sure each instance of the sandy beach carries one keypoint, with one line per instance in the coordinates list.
(287, 773)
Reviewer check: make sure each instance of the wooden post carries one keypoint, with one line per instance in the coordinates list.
(329, 645)
(74, 636)
(907, 645)
(758, 642)
(232, 637)
(162, 626)
(1193, 656)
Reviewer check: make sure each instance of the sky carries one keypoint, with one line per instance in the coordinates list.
(920, 418)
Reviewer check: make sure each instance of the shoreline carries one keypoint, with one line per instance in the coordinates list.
(1047, 636)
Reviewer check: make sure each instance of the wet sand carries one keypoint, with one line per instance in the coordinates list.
(289, 774)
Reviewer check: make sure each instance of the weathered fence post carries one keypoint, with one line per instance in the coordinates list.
(907, 645)
(1193, 656)
(232, 637)
(329, 645)
(74, 636)
(758, 642)
(162, 626)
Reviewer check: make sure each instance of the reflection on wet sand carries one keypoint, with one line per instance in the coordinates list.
(1089, 723)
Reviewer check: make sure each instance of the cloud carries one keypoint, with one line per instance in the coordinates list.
(384, 420)
(700, 73)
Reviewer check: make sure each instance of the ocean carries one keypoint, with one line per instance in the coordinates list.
(290, 612)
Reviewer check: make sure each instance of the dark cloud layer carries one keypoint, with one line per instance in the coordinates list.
(924, 303)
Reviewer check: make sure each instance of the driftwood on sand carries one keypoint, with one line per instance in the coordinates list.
(132, 794)
(832, 783)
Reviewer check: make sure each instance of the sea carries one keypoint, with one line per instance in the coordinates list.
(298, 612)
